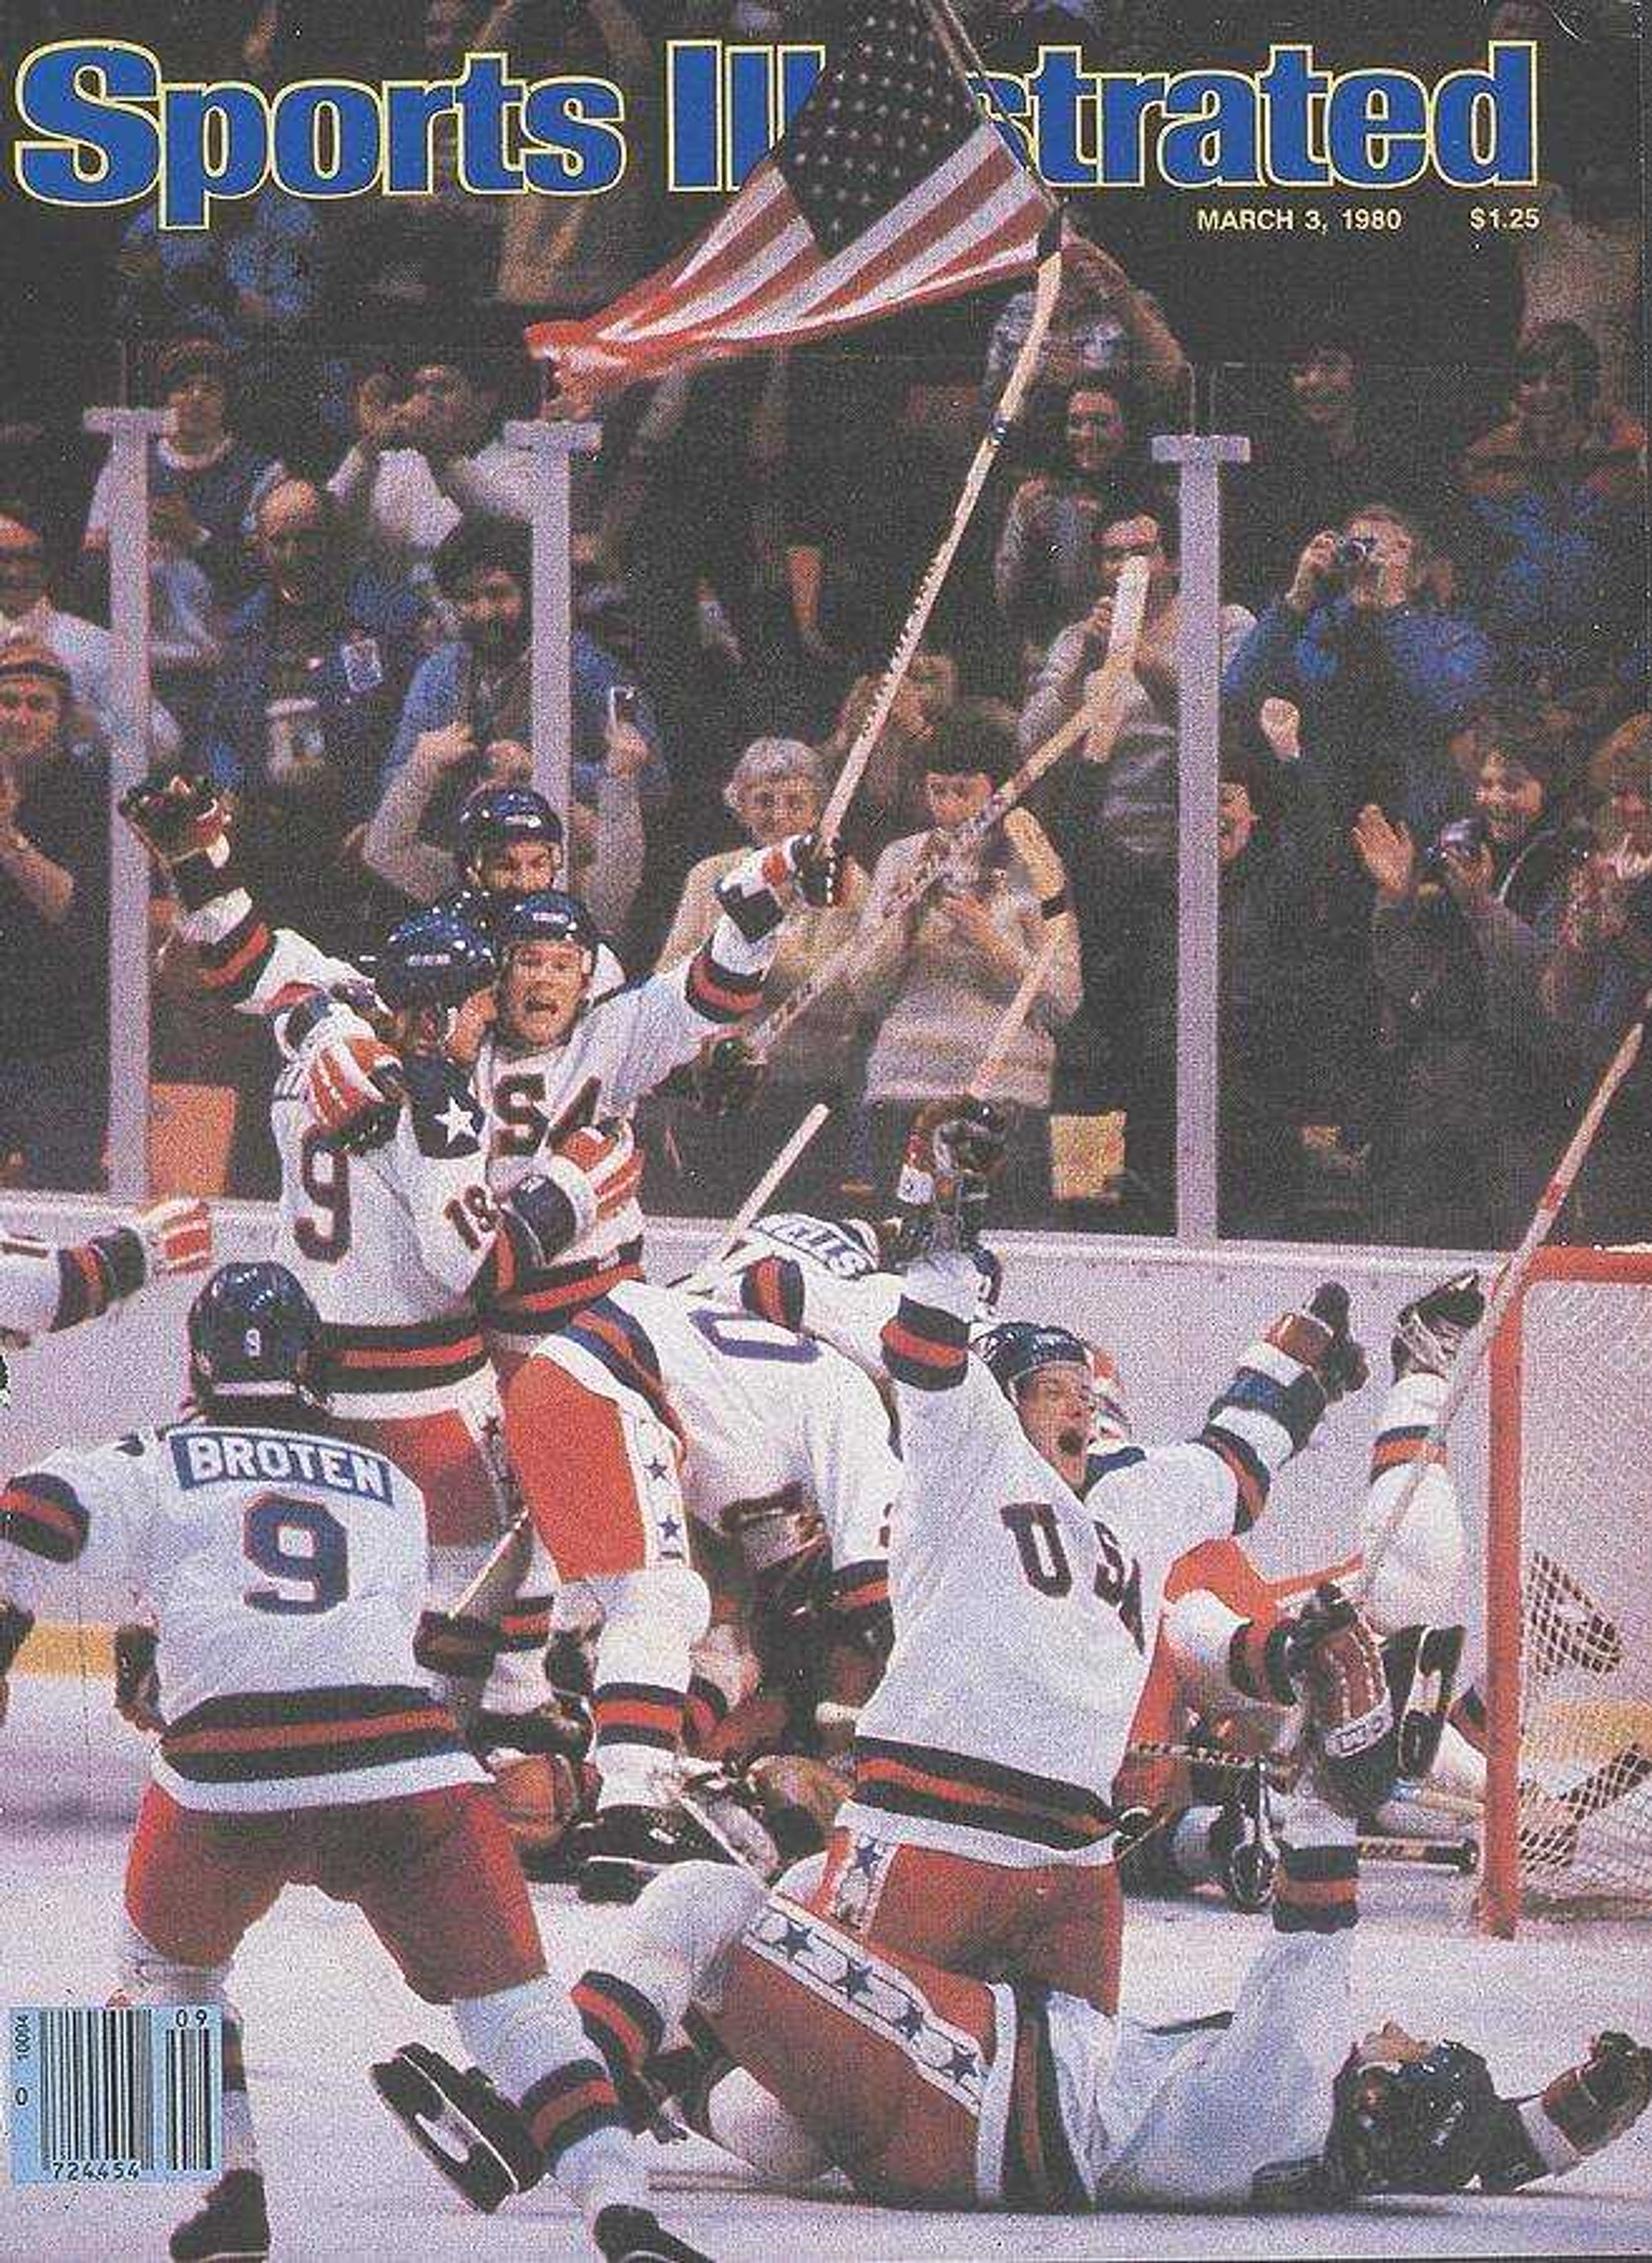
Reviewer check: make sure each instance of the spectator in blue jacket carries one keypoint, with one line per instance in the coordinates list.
(1379, 669)
(318, 663)
(476, 692)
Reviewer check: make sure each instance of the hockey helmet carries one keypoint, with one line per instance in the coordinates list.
(434, 958)
(548, 915)
(497, 815)
(254, 1333)
(1015, 1349)
(1411, 2118)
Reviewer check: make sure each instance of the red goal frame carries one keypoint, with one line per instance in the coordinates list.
(1498, 1908)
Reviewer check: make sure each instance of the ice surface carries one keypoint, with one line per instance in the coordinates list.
(320, 2000)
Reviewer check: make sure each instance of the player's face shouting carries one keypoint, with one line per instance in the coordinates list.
(1058, 1410)
(541, 991)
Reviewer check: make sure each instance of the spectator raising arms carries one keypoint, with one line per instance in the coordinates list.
(475, 690)
(942, 973)
(425, 456)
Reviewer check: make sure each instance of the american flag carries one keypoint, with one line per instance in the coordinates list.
(892, 187)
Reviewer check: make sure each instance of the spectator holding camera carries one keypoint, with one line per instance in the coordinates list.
(1045, 571)
(942, 973)
(474, 692)
(1462, 934)
(426, 453)
(1379, 669)
(1559, 487)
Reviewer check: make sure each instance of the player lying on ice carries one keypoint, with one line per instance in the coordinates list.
(929, 2088)
(285, 1567)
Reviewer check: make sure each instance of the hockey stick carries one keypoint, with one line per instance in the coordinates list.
(1010, 1021)
(1046, 292)
(757, 1201)
(1509, 1281)
(1099, 718)
(1460, 1855)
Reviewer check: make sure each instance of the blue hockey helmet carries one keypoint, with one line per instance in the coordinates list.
(1409, 2118)
(1015, 1349)
(495, 816)
(434, 958)
(548, 915)
(254, 1333)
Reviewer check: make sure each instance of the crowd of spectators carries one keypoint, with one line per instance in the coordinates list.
(1436, 852)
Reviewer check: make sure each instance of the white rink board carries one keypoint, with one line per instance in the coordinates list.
(1176, 1320)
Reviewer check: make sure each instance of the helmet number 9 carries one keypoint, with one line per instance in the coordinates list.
(302, 1546)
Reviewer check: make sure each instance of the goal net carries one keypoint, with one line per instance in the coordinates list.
(1569, 1612)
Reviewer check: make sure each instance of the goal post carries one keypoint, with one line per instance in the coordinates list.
(1569, 1592)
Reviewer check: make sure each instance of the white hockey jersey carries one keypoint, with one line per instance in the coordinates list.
(1024, 1615)
(287, 1570)
(764, 1416)
(620, 1048)
(624, 1043)
(44, 1285)
(392, 1244)
(820, 1276)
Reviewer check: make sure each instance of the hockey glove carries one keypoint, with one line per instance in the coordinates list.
(1580, 2112)
(1335, 1662)
(955, 1151)
(728, 1075)
(176, 1237)
(178, 817)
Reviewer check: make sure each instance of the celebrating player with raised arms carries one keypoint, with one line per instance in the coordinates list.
(1026, 1574)
(285, 1567)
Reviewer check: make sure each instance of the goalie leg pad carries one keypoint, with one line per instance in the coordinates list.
(461, 2124)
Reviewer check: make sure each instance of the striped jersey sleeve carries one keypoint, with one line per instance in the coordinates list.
(73, 1512)
(1267, 1412)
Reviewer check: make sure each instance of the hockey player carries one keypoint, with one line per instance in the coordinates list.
(510, 843)
(927, 2088)
(286, 1568)
(46, 1287)
(828, 1277)
(1216, 1588)
(655, 1406)
(1026, 1575)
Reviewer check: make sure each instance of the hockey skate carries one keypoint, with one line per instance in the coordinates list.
(234, 2227)
(621, 1848)
(1430, 1329)
(635, 2235)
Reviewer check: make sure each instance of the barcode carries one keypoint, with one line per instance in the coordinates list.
(116, 2093)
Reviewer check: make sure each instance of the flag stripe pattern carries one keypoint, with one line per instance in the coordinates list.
(889, 189)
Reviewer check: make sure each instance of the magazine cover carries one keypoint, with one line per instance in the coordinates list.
(826, 1261)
